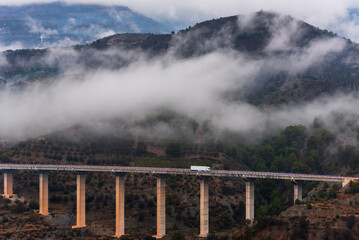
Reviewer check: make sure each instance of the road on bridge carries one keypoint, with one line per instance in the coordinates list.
(180, 171)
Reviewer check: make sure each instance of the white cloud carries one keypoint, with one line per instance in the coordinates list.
(106, 33)
(72, 20)
(36, 27)
(11, 46)
(191, 87)
(3, 61)
(284, 30)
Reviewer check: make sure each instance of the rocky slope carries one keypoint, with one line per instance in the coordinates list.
(334, 219)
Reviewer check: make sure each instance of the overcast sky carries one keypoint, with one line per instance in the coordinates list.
(329, 14)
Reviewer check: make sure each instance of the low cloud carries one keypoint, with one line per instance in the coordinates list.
(105, 33)
(312, 55)
(3, 61)
(11, 46)
(36, 27)
(194, 88)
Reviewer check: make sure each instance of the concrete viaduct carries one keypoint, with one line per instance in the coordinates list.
(160, 173)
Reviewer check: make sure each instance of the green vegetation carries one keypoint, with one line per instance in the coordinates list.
(295, 149)
(353, 188)
(19, 208)
(351, 220)
(33, 204)
(174, 149)
(178, 236)
(141, 149)
(5, 219)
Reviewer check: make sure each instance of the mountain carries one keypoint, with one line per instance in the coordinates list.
(263, 36)
(61, 24)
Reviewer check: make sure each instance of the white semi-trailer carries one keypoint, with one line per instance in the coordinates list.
(200, 168)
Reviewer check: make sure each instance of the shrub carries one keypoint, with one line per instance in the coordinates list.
(353, 188)
(298, 202)
(178, 236)
(351, 221)
(174, 150)
(141, 148)
(19, 208)
(309, 206)
(33, 204)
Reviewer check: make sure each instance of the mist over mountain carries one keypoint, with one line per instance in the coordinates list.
(62, 24)
(314, 54)
(251, 74)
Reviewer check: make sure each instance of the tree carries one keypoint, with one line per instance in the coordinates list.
(295, 134)
(300, 167)
(275, 207)
(33, 204)
(354, 159)
(267, 153)
(239, 211)
(141, 148)
(353, 188)
(351, 221)
(279, 163)
(344, 153)
(178, 236)
(313, 143)
(174, 150)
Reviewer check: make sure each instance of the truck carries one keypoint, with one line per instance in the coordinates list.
(200, 168)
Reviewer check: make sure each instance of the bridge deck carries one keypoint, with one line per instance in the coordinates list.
(179, 171)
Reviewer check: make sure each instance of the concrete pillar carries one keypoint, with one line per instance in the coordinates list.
(81, 201)
(120, 205)
(204, 212)
(8, 184)
(346, 181)
(250, 201)
(161, 206)
(44, 193)
(297, 191)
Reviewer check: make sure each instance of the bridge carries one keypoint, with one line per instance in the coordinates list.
(161, 173)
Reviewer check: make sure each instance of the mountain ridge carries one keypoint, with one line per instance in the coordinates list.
(258, 41)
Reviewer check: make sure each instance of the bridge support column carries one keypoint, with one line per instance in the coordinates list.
(204, 212)
(44, 193)
(346, 182)
(120, 204)
(297, 191)
(8, 184)
(250, 201)
(81, 201)
(161, 206)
